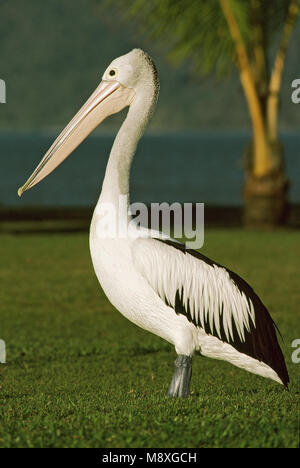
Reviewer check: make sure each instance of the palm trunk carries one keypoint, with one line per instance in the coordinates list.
(266, 186)
(276, 76)
(262, 161)
(266, 198)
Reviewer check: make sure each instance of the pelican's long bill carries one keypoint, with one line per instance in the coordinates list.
(109, 98)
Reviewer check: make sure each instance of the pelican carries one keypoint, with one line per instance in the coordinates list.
(159, 284)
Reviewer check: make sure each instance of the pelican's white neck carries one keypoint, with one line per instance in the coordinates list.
(116, 180)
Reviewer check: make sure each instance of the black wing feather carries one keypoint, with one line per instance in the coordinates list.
(260, 341)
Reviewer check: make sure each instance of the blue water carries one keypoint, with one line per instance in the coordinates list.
(200, 167)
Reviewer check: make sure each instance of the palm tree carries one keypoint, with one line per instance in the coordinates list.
(215, 34)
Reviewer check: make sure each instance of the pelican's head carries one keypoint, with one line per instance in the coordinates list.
(134, 70)
(122, 85)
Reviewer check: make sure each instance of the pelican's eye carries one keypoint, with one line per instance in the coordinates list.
(112, 72)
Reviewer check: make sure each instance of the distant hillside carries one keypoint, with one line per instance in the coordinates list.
(53, 55)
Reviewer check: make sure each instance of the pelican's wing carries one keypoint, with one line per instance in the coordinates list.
(211, 297)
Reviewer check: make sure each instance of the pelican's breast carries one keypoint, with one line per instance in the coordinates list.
(126, 288)
(114, 269)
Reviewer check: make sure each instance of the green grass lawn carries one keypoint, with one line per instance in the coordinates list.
(78, 374)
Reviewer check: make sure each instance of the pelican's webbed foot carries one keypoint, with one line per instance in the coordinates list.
(180, 385)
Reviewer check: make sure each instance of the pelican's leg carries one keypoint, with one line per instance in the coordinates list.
(180, 385)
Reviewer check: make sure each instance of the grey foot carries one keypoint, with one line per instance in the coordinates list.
(180, 385)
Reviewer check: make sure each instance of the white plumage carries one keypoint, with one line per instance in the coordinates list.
(176, 293)
(204, 289)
